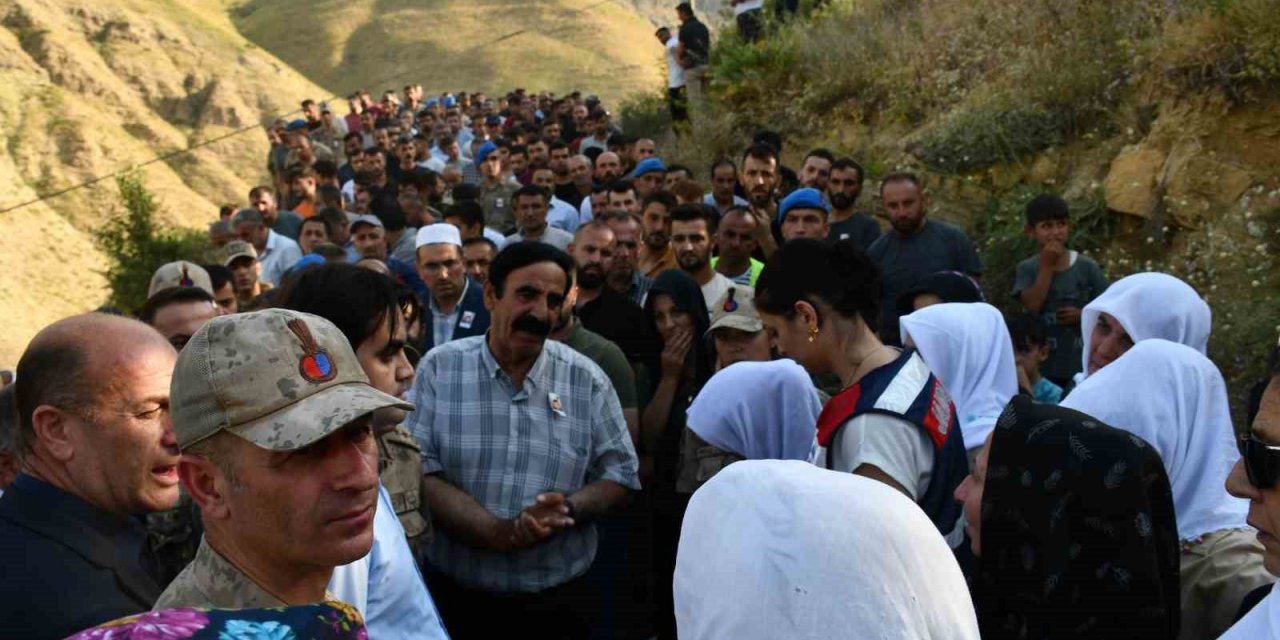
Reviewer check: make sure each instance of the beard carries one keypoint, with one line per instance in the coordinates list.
(842, 201)
(760, 199)
(591, 276)
(906, 226)
(656, 241)
(692, 261)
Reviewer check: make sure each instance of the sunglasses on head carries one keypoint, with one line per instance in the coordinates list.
(1261, 461)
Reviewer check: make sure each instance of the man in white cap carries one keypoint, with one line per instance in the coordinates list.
(272, 414)
(456, 301)
(180, 274)
(736, 329)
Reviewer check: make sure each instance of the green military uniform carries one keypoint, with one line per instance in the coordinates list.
(400, 469)
(212, 582)
(498, 208)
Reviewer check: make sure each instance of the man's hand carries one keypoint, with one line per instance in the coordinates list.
(1051, 255)
(1068, 316)
(536, 523)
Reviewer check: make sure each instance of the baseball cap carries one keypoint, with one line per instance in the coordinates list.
(493, 121)
(364, 219)
(649, 165)
(438, 233)
(180, 274)
(278, 378)
(736, 309)
(806, 198)
(237, 249)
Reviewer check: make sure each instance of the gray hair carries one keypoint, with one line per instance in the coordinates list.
(251, 216)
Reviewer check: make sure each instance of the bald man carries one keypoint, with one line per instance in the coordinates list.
(97, 449)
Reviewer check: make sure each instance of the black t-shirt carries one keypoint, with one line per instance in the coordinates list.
(697, 42)
(624, 323)
(859, 227)
(938, 246)
(569, 193)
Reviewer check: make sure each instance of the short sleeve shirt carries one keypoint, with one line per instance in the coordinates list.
(938, 246)
(1076, 287)
(697, 42)
(895, 446)
(859, 227)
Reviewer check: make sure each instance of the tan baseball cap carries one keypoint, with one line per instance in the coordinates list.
(736, 309)
(280, 379)
(180, 274)
(237, 249)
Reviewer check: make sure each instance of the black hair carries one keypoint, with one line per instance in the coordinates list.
(722, 161)
(685, 8)
(355, 300)
(329, 251)
(679, 167)
(1027, 331)
(531, 190)
(842, 164)
(169, 296)
(519, 255)
(770, 138)
(661, 197)
(592, 153)
(470, 211)
(761, 151)
(387, 209)
(622, 186)
(219, 275)
(558, 144)
(465, 193)
(694, 211)
(1046, 206)
(480, 240)
(839, 274)
(899, 176)
(823, 153)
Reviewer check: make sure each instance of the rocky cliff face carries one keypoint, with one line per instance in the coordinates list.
(89, 89)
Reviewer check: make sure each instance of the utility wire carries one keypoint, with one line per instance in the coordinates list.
(231, 134)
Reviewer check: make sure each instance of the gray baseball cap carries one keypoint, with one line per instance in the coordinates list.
(736, 309)
(180, 274)
(280, 379)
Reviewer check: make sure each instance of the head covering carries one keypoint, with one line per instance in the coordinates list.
(324, 621)
(237, 249)
(783, 549)
(736, 309)
(950, 286)
(280, 379)
(438, 233)
(485, 149)
(1261, 623)
(364, 219)
(1173, 397)
(493, 121)
(297, 125)
(806, 198)
(180, 274)
(758, 410)
(687, 296)
(649, 165)
(309, 260)
(1151, 305)
(967, 346)
(1078, 533)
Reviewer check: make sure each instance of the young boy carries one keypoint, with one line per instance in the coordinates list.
(1029, 352)
(1056, 284)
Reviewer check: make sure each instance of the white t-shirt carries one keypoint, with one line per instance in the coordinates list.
(675, 72)
(897, 447)
(747, 5)
(713, 289)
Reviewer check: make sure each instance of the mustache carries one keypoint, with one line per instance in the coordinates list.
(531, 325)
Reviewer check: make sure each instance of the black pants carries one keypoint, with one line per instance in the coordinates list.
(678, 103)
(566, 611)
(751, 24)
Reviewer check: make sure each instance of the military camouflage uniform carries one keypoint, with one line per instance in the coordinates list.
(699, 461)
(211, 582)
(400, 469)
(173, 537)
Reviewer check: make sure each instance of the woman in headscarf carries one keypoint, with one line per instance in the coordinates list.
(894, 421)
(1074, 527)
(968, 347)
(782, 549)
(1141, 307)
(937, 288)
(755, 411)
(1173, 397)
(676, 305)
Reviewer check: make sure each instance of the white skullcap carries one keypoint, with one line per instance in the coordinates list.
(439, 233)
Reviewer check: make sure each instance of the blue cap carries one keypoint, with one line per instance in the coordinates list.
(309, 260)
(493, 120)
(649, 165)
(485, 149)
(806, 198)
(450, 101)
(432, 102)
(296, 125)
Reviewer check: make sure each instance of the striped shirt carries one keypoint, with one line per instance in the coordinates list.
(502, 445)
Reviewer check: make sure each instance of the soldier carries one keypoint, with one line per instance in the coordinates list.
(273, 414)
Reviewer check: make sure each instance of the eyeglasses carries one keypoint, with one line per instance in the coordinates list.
(1261, 461)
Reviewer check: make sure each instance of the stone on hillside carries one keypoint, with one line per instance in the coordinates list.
(1205, 185)
(1131, 181)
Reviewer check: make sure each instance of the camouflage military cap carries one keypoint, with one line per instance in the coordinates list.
(237, 249)
(280, 379)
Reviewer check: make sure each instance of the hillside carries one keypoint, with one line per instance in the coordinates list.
(87, 89)
(1159, 122)
(601, 46)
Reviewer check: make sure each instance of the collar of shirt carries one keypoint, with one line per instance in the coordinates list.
(72, 506)
(435, 308)
(273, 243)
(492, 369)
(225, 585)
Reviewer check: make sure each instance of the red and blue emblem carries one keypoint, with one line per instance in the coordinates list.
(315, 365)
(186, 280)
(730, 305)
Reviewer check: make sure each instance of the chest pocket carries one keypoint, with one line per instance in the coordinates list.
(400, 469)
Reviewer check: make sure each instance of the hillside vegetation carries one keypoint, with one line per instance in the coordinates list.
(1159, 121)
(602, 47)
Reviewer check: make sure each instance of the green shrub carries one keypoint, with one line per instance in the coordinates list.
(645, 115)
(136, 244)
(981, 138)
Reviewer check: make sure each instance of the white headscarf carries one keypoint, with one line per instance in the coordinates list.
(967, 346)
(1261, 623)
(1173, 397)
(783, 549)
(1150, 305)
(758, 410)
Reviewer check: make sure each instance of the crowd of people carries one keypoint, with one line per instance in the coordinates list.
(480, 366)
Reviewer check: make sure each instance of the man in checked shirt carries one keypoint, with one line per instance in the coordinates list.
(524, 446)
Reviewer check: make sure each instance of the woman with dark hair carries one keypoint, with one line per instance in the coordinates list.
(894, 421)
(676, 305)
(1073, 525)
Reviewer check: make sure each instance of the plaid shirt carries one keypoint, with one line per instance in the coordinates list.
(564, 429)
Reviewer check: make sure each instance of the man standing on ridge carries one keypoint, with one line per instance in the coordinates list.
(694, 51)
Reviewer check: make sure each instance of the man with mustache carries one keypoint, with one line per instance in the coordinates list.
(97, 449)
(692, 228)
(456, 302)
(759, 178)
(843, 190)
(524, 447)
(273, 415)
(655, 219)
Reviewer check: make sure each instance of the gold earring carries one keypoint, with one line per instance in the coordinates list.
(813, 334)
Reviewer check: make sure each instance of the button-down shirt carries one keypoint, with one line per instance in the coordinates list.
(443, 324)
(503, 445)
(280, 254)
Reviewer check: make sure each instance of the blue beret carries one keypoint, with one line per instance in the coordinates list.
(493, 120)
(309, 260)
(485, 149)
(806, 198)
(295, 125)
(450, 101)
(649, 165)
